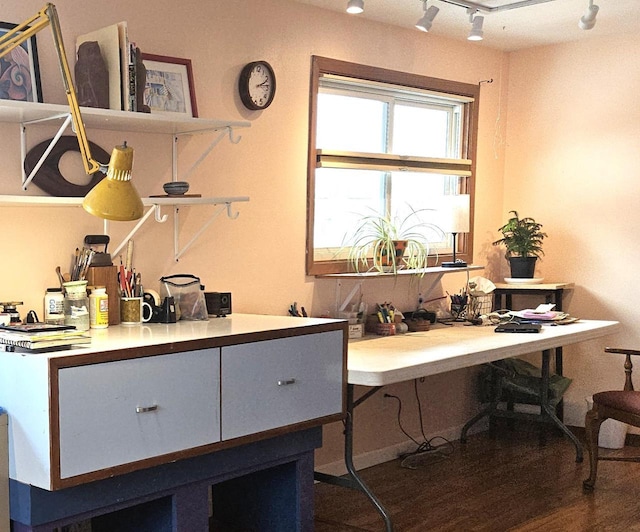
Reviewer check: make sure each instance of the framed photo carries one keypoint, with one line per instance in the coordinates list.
(169, 85)
(20, 71)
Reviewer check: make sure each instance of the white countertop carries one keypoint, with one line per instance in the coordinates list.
(381, 360)
(119, 337)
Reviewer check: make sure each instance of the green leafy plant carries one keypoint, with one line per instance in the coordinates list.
(522, 237)
(385, 244)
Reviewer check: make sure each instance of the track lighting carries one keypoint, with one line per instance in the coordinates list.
(476, 33)
(355, 6)
(588, 20)
(424, 24)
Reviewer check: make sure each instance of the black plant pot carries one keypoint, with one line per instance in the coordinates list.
(522, 267)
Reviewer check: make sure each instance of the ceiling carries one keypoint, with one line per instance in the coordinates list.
(552, 22)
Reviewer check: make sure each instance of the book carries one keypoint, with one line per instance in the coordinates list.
(41, 335)
(29, 328)
(45, 344)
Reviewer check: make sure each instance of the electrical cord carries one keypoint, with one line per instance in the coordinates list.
(426, 447)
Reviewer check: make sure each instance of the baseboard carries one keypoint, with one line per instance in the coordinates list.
(386, 454)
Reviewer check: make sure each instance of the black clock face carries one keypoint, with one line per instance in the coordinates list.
(257, 85)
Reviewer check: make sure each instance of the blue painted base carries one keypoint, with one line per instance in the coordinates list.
(265, 485)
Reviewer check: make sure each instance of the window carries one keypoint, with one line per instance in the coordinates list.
(386, 142)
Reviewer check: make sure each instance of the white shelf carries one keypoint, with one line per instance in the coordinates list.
(53, 201)
(27, 112)
(424, 271)
(439, 271)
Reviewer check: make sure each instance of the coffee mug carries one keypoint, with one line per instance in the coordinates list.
(134, 311)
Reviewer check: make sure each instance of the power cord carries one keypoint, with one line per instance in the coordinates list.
(426, 447)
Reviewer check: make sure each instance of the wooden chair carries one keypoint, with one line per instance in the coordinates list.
(621, 405)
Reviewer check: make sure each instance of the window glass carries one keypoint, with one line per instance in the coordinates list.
(381, 147)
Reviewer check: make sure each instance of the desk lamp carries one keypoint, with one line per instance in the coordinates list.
(454, 220)
(115, 197)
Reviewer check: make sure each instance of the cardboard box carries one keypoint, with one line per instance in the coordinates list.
(356, 330)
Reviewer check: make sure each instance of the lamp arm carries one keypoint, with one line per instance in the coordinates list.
(15, 37)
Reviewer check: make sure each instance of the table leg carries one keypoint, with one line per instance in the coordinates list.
(548, 411)
(352, 478)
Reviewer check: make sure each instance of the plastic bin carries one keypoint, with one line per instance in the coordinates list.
(613, 433)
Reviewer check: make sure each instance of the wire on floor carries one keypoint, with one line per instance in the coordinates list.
(426, 447)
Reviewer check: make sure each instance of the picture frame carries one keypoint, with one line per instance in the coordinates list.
(20, 70)
(169, 85)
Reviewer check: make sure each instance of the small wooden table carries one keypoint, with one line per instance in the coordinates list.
(552, 293)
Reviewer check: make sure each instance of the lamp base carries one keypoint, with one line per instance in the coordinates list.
(457, 264)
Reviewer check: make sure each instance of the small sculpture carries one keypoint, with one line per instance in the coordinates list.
(92, 76)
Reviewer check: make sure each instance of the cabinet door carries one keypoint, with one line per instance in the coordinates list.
(119, 412)
(275, 383)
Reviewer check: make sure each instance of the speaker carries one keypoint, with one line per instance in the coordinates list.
(218, 303)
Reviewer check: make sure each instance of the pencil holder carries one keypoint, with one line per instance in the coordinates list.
(385, 329)
(458, 312)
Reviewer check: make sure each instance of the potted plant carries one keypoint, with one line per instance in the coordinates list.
(522, 238)
(388, 244)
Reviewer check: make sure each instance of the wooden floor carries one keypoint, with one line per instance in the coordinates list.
(506, 483)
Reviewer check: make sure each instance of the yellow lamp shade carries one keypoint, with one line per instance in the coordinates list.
(115, 197)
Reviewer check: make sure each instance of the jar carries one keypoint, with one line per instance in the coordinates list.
(99, 308)
(54, 306)
(76, 305)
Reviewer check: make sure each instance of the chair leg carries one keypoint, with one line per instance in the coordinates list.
(592, 425)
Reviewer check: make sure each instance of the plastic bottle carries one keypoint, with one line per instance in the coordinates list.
(76, 305)
(54, 306)
(99, 308)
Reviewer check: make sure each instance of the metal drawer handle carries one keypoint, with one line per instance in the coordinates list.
(143, 409)
(286, 382)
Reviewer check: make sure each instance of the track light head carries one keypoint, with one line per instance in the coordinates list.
(588, 20)
(355, 7)
(476, 33)
(425, 23)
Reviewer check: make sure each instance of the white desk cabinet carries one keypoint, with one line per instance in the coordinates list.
(149, 395)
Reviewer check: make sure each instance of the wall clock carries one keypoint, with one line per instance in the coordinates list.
(257, 85)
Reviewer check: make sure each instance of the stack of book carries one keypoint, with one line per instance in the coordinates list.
(36, 336)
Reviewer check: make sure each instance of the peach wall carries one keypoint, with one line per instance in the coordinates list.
(572, 163)
(259, 257)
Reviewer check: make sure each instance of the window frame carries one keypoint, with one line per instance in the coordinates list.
(321, 66)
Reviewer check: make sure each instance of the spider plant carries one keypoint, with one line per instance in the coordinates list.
(387, 244)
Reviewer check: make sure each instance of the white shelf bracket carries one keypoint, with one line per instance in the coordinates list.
(179, 252)
(26, 180)
(227, 132)
(141, 221)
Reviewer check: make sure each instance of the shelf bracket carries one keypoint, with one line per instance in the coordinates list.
(226, 132)
(154, 209)
(26, 180)
(176, 226)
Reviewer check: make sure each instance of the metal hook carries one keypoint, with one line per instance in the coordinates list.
(485, 81)
(231, 215)
(232, 138)
(160, 218)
